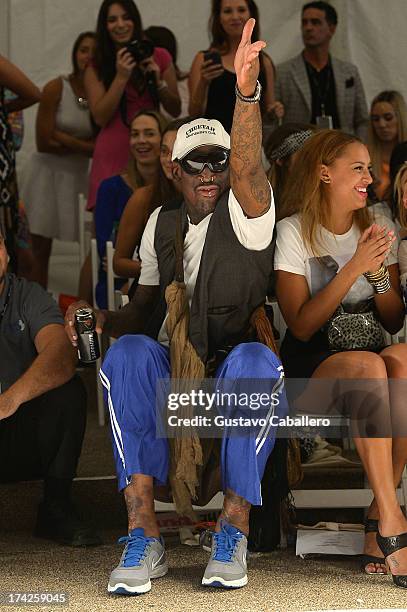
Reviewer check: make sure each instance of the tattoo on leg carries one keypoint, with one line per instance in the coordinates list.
(236, 510)
(139, 499)
(133, 504)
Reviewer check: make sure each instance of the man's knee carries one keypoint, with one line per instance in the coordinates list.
(129, 347)
(255, 355)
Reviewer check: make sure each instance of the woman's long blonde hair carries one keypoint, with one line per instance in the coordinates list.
(398, 195)
(308, 195)
(374, 145)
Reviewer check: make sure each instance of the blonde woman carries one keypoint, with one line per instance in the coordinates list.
(330, 251)
(400, 196)
(387, 127)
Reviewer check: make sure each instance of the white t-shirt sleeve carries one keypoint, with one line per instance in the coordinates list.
(254, 234)
(149, 265)
(289, 254)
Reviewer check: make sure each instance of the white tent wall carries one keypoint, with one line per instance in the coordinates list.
(40, 34)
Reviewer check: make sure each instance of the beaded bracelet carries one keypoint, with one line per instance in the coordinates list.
(250, 99)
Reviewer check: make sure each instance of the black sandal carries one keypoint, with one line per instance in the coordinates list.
(391, 545)
(372, 526)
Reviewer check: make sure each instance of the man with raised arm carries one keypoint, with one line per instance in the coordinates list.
(217, 247)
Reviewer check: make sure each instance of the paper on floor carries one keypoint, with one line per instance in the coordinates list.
(325, 542)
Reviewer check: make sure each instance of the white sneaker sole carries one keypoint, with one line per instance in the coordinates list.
(122, 588)
(229, 584)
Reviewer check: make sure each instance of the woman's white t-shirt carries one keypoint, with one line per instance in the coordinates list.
(292, 255)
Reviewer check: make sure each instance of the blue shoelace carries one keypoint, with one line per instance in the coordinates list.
(225, 545)
(136, 548)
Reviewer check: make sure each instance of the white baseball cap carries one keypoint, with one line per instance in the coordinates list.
(198, 133)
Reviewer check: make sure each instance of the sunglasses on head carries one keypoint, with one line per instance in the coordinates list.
(194, 163)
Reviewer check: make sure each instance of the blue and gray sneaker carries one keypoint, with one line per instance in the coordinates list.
(227, 566)
(143, 558)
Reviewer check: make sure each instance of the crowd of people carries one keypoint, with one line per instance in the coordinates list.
(208, 220)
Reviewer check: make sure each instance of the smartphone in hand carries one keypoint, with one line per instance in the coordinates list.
(214, 56)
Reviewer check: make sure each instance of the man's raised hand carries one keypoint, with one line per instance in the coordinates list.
(247, 65)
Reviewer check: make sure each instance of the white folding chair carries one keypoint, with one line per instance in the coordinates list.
(85, 228)
(95, 266)
(114, 296)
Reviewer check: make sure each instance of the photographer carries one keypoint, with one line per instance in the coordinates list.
(123, 80)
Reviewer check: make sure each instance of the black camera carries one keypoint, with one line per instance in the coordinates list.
(140, 49)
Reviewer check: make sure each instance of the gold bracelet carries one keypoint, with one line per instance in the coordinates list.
(375, 277)
(379, 280)
(383, 286)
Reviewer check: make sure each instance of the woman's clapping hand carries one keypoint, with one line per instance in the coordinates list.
(373, 247)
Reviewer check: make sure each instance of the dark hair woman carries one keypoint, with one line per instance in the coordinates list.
(27, 94)
(212, 78)
(163, 37)
(58, 172)
(281, 149)
(118, 86)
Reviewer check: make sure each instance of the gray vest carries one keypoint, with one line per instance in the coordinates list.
(232, 280)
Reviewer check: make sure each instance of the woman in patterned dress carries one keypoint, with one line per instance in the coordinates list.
(27, 94)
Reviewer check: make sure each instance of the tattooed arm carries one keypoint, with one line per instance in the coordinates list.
(247, 176)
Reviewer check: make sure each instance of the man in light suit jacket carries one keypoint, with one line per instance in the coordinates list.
(315, 87)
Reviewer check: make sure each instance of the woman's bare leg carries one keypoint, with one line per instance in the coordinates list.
(376, 453)
(395, 358)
